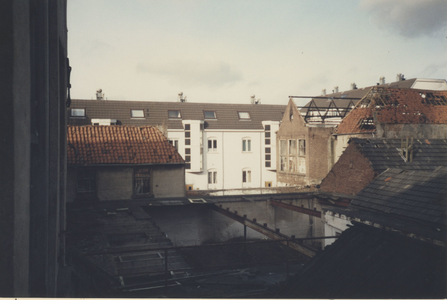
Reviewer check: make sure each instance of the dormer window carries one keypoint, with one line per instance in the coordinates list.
(137, 113)
(174, 114)
(78, 112)
(209, 114)
(244, 115)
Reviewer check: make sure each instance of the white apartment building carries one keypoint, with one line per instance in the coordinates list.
(225, 146)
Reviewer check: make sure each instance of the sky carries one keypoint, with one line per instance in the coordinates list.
(226, 51)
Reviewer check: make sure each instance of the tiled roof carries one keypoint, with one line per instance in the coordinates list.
(415, 195)
(367, 262)
(395, 106)
(156, 113)
(428, 154)
(91, 145)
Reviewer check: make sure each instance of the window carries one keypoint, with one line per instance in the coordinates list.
(302, 156)
(244, 115)
(142, 181)
(302, 147)
(267, 134)
(78, 112)
(209, 114)
(86, 184)
(246, 145)
(137, 113)
(283, 154)
(246, 176)
(268, 157)
(188, 134)
(212, 177)
(188, 158)
(174, 114)
(174, 143)
(292, 156)
(212, 145)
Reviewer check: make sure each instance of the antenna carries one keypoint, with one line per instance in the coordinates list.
(181, 98)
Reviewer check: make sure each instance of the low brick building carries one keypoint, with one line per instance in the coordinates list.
(122, 162)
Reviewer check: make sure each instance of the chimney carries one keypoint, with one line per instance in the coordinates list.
(353, 86)
(99, 95)
(181, 98)
(335, 89)
(400, 77)
(382, 80)
(323, 92)
(254, 101)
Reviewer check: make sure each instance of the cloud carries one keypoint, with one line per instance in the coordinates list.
(188, 73)
(409, 18)
(435, 70)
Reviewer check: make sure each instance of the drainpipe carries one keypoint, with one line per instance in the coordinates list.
(223, 163)
(260, 156)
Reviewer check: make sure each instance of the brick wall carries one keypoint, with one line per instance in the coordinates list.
(350, 174)
(318, 153)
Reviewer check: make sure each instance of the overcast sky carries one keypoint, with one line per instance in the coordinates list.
(227, 50)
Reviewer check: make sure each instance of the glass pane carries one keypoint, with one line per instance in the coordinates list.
(292, 147)
(187, 150)
(302, 165)
(283, 163)
(292, 164)
(283, 147)
(267, 150)
(215, 144)
(248, 176)
(244, 145)
(210, 179)
(267, 127)
(249, 145)
(244, 176)
(302, 147)
(187, 126)
(210, 144)
(214, 177)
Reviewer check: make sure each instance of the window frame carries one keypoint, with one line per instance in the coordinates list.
(212, 141)
(212, 177)
(246, 145)
(132, 116)
(246, 176)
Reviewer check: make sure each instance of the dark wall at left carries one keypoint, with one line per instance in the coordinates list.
(33, 105)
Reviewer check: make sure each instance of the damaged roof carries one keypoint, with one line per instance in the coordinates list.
(93, 145)
(428, 154)
(157, 113)
(410, 194)
(367, 262)
(395, 106)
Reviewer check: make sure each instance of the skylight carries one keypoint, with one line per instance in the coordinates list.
(174, 114)
(209, 114)
(78, 112)
(244, 115)
(137, 113)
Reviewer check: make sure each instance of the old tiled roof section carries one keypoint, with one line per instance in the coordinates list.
(93, 145)
(428, 154)
(410, 194)
(395, 106)
(156, 113)
(367, 262)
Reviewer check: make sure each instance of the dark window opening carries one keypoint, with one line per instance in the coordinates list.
(142, 181)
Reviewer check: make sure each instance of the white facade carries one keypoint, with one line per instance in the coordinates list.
(227, 159)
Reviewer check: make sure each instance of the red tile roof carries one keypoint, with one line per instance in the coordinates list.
(90, 145)
(396, 106)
